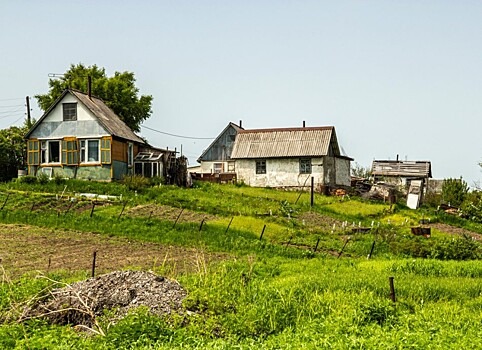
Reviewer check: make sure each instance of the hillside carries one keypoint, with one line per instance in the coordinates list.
(262, 268)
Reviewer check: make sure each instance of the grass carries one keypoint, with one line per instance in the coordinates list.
(268, 294)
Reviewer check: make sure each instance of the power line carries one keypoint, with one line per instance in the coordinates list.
(9, 106)
(11, 99)
(180, 136)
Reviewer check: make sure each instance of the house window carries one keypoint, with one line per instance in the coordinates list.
(231, 167)
(305, 166)
(50, 152)
(232, 138)
(218, 168)
(69, 111)
(130, 154)
(89, 151)
(261, 167)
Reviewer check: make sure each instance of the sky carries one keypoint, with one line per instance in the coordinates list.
(394, 77)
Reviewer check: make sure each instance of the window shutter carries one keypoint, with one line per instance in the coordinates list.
(33, 152)
(105, 150)
(70, 154)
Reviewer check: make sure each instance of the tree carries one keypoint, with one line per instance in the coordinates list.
(118, 92)
(12, 151)
(454, 191)
(358, 170)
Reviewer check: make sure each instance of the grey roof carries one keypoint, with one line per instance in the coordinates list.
(104, 115)
(402, 168)
(286, 142)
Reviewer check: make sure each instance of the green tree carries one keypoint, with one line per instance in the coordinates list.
(118, 92)
(12, 151)
(454, 191)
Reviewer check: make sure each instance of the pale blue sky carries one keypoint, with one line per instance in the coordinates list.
(393, 77)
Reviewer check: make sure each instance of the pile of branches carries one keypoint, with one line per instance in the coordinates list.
(82, 302)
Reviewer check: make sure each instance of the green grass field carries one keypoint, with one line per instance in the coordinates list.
(287, 276)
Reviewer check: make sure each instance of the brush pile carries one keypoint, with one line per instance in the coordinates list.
(81, 302)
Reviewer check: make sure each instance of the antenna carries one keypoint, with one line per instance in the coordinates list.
(56, 75)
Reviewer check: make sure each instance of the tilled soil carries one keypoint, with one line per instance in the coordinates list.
(25, 248)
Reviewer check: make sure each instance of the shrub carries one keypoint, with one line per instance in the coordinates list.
(454, 191)
(461, 248)
(28, 179)
(43, 178)
(136, 182)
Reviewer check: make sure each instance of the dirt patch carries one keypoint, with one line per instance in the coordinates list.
(453, 230)
(322, 222)
(165, 212)
(81, 302)
(26, 248)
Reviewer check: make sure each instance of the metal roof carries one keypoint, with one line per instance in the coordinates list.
(286, 142)
(402, 168)
(104, 115)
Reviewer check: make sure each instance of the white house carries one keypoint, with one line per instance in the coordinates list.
(289, 157)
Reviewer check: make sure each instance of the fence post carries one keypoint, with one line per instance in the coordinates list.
(371, 250)
(94, 256)
(201, 226)
(316, 247)
(289, 241)
(122, 211)
(4, 203)
(344, 245)
(262, 232)
(392, 289)
(92, 211)
(312, 191)
(175, 222)
(227, 228)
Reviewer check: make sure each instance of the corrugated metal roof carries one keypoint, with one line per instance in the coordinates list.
(402, 168)
(285, 142)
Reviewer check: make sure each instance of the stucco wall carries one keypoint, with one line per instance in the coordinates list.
(343, 172)
(279, 173)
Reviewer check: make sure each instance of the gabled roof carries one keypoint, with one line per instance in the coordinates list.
(230, 125)
(104, 115)
(402, 168)
(286, 142)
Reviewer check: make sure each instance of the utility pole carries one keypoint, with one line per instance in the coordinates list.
(29, 120)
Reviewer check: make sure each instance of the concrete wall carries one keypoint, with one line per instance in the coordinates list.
(343, 170)
(279, 173)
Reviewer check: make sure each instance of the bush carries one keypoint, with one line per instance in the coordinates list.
(461, 248)
(43, 178)
(28, 179)
(454, 191)
(136, 182)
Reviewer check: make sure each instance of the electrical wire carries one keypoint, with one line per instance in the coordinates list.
(180, 136)
(10, 106)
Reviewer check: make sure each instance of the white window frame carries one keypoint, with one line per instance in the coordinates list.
(130, 155)
(84, 151)
(45, 151)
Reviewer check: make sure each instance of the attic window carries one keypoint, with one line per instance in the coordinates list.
(70, 111)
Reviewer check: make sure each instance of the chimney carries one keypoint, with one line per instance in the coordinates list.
(304, 124)
(240, 123)
(397, 157)
(89, 87)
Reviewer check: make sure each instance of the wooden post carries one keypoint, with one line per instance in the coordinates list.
(175, 222)
(371, 250)
(94, 256)
(262, 232)
(227, 228)
(150, 215)
(312, 191)
(122, 211)
(316, 247)
(289, 241)
(33, 205)
(392, 289)
(70, 206)
(344, 245)
(201, 226)
(4, 203)
(92, 211)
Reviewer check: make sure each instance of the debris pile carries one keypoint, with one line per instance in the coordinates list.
(81, 302)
